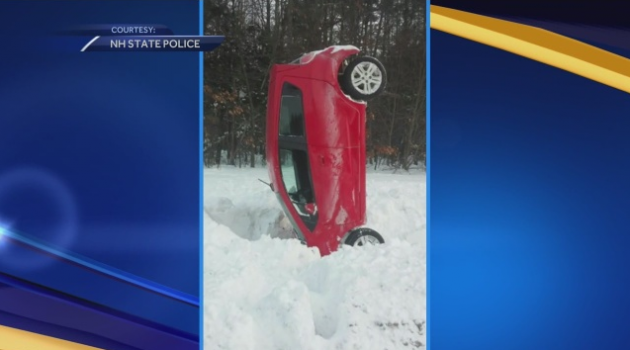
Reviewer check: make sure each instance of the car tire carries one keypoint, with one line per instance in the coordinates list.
(364, 78)
(363, 236)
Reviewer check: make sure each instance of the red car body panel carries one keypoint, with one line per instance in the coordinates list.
(334, 127)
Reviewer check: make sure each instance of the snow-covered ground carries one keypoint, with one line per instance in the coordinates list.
(264, 292)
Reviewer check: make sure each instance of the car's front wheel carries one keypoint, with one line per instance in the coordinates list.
(364, 236)
(364, 78)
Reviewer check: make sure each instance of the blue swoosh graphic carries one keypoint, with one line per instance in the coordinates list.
(108, 271)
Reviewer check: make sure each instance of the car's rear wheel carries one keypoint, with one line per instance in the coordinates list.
(364, 78)
(364, 236)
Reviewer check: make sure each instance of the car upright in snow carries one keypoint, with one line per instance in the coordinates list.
(316, 153)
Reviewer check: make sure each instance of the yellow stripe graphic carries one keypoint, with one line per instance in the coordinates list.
(536, 44)
(15, 339)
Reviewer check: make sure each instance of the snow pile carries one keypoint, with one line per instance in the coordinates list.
(308, 57)
(343, 48)
(263, 292)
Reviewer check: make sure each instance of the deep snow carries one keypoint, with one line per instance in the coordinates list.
(266, 292)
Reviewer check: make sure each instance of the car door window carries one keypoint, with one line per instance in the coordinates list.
(294, 158)
(291, 112)
(289, 173)
(296, 176)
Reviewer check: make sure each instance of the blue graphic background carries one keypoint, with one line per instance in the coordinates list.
(529, 202)
(99, 155)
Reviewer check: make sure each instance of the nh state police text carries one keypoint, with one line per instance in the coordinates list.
(154, 44)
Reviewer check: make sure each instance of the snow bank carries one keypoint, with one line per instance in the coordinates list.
(265, 293)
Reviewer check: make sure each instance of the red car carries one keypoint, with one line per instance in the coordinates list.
(316, 153)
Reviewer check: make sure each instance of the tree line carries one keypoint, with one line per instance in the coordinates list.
(260, 33)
